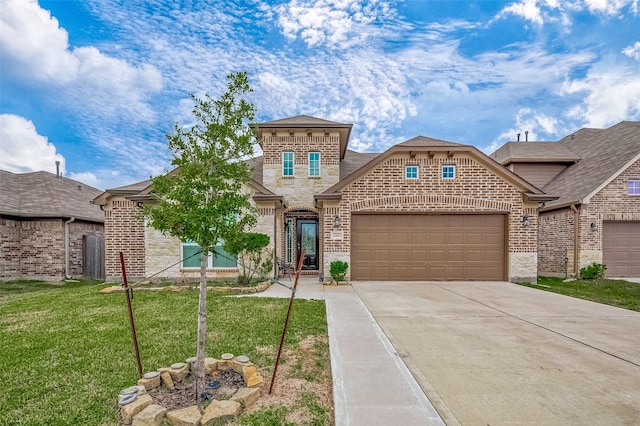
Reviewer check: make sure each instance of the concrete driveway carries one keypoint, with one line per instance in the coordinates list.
(495, 353)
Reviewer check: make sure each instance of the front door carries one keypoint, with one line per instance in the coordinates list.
(308, 239)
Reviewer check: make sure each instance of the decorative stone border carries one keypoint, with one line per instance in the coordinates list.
(143, 412)
(222, 289)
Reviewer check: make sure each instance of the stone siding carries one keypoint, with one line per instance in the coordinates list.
(474, 190)
(124, 232)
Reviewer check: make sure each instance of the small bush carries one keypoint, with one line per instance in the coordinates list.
(593, 271)
(338, 270)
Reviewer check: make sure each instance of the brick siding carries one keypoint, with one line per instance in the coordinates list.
(34, 248)
(123, 231)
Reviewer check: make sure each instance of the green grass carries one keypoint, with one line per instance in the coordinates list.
(623, 294)
(67, 350)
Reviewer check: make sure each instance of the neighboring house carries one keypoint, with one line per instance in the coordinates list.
(425, 209)
(47, 225)
(596, 175)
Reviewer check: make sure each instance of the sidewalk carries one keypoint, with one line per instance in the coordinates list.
(371, 384)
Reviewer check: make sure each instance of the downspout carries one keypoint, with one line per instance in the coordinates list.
(66, 247)
(576, 240)
(275, 243)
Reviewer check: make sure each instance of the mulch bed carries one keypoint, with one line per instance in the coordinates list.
(184, 394)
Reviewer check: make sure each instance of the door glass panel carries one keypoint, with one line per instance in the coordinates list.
(309, 231)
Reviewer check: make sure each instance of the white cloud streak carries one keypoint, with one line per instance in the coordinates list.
(23, 149)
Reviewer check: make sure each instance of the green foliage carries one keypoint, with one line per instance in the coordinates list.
(593, 271)
(338, 270)
(254, 257)
(67, 351)
(620, 293)
(203, 199)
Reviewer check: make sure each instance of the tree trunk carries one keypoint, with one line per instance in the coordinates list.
(202, 327)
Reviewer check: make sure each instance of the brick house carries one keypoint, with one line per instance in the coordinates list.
(48, 227)
(596, 175)
(425, 209)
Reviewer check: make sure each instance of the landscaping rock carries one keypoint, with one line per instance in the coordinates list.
(210, 365)
(167, 380)
(128, 411)
(248, 371)
(189, 416)
(152, 415)
(255, 380)
(219, 410)
(178, 374)
(141, 390)
(246, 396)
(149, 383)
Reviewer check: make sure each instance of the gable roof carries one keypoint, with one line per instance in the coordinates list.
(605, 153)
(538, 152)
(307, 122)
(43, 194)
(422, 143)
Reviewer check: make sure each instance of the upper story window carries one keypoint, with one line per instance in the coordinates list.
(314, 164)
(411, 172)
(634, 187)
(287, 163)
(448, 171)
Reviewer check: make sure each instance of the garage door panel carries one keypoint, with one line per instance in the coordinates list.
(428, 247)
(621, 249)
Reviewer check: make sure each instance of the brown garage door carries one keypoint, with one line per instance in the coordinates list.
(427, 247)
(621, 249)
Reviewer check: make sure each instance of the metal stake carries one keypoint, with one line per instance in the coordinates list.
(127, 289)
(286, 321)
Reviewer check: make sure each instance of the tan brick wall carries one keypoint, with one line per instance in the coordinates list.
(556, 243)
(556, 239)
(34, 248)
(9, 248)
(300, 188)
(123, 231)
(474, 190)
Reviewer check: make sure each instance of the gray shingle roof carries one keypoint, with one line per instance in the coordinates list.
(603, 152)
(524, 152)
(302, 121)
(353, 160)
(43, 194)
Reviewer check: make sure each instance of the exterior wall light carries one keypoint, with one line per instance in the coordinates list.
(526, 221)
(594, 226)
(336, 221)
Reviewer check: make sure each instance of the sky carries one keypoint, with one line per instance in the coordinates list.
(97, 84)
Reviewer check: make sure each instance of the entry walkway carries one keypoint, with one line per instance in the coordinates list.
(371, 384)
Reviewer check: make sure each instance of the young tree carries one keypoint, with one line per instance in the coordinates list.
(204, 198)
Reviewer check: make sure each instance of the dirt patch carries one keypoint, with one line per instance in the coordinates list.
(184, 394)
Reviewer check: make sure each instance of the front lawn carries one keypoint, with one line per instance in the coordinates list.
(623, 294)
(67, 350)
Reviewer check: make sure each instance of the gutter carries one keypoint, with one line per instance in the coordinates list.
(66, 247)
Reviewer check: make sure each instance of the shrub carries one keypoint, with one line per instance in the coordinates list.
(593, 271)
(338, 270)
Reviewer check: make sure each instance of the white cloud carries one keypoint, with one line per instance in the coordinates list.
(86, 177)
(611, 7)
(611, 96)
(531, 125)
(526, 9)
(633, 51)
(36, 49)
(24, 150)
(333, 23)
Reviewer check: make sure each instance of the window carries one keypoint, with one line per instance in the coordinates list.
(411, 172)
(448, 172)
(221, 259)
(634, 187)
(287, 164)
(314, 164)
